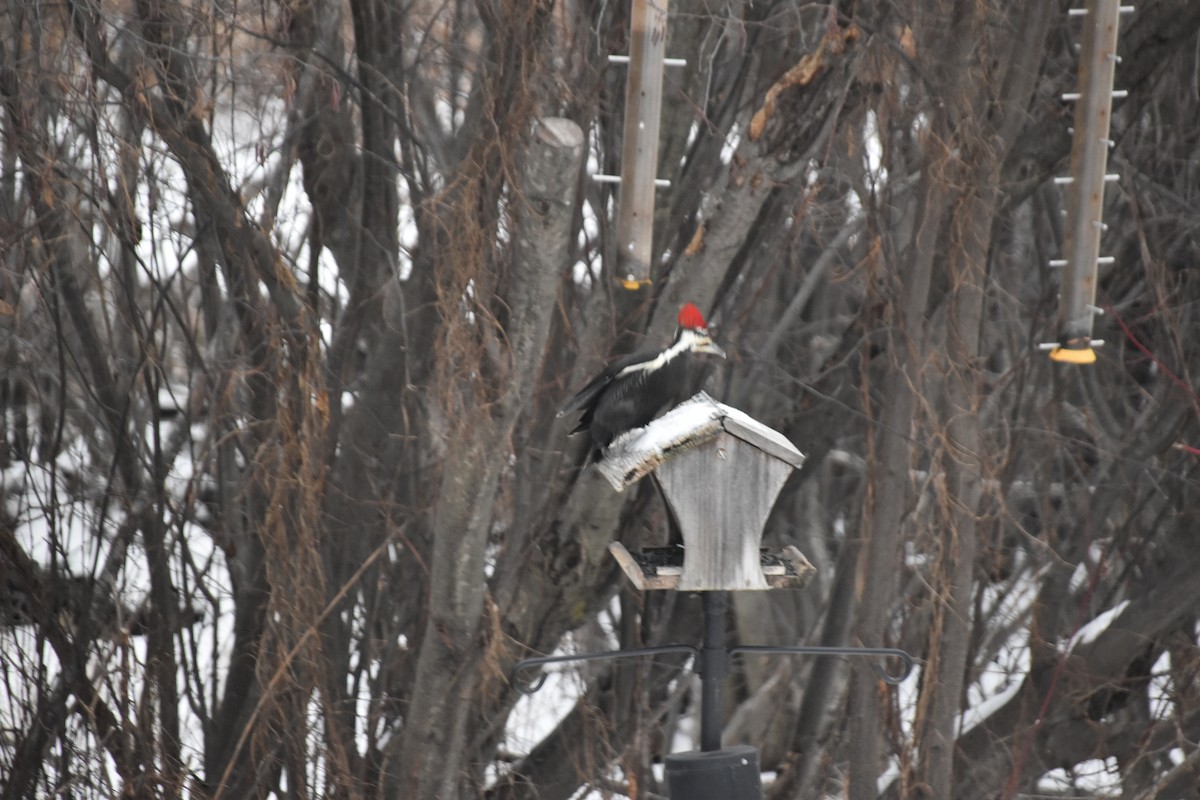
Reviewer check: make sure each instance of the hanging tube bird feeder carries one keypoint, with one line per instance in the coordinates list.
(1085, 185)
(639, 153)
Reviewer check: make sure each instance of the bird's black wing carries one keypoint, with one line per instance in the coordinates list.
(586, 397)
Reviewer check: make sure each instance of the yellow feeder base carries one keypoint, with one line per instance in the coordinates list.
(1073, 355)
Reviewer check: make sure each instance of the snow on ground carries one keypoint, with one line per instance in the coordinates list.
(1099, 778)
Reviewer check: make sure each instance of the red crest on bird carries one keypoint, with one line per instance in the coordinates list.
(691, 318)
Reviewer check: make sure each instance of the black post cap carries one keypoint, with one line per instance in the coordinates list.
(731, 773)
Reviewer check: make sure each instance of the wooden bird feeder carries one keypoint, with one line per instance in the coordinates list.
(720, 472)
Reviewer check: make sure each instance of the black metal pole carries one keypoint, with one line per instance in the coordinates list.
(714, 666)
(713, 772)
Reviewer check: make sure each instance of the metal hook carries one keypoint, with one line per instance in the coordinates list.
(887, 677)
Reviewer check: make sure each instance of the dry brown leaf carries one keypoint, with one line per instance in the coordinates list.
(696, 245)
(908, 43)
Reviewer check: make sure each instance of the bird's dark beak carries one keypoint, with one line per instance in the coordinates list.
(711, 347)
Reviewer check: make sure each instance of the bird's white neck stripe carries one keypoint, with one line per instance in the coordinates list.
(686, 341)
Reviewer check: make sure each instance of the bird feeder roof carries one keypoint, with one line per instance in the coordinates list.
(638, 452)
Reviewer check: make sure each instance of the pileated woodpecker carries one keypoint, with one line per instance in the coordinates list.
(633, 390)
